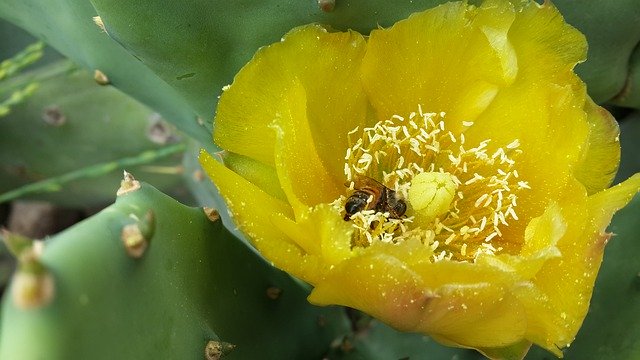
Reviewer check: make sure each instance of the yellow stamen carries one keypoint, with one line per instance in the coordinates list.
(459, 197)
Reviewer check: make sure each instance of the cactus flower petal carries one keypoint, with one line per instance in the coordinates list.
(448, 175)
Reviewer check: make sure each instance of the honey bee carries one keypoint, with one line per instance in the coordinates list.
(372, 195)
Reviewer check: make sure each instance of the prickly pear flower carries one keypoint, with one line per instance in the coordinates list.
(448, 175)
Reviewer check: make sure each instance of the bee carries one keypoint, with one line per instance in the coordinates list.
(369, 194)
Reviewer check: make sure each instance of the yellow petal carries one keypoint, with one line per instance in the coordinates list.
(252, 209)
(605, 203)
(379, 284)
(602, 156)
(256, 172)
(309, 266)
(559, 300)
(551, 135)
(545, 101)
(302, 174)
(472, 306)
(298, 234)
(540, 244)
(543, 108)
(453, 58)
(546, 42)
(456, 303)
(322, 233)
(475, 316)
(543, 232)
(334, 105)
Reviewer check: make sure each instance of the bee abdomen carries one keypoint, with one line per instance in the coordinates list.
(358, 201)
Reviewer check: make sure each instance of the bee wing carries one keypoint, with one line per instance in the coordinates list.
(361, 182)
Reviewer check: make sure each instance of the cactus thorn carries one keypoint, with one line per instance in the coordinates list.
(327, 5)
(128, 184)
(215, 350)
(53, 116)
(98, 21)
(100, 77)
(212, 214)
(273, 292)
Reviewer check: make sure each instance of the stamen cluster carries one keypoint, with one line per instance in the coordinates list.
(394, 151)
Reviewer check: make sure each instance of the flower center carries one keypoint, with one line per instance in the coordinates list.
(412, 178)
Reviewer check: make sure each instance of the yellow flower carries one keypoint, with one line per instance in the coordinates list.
(447, 175)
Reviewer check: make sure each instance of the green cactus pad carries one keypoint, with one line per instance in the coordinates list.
(630, 94)
(612, 29)
(67, 26)
(192, 284)
(70, 124)
(378, 341)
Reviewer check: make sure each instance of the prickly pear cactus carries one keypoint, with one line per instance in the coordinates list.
(148, 277)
